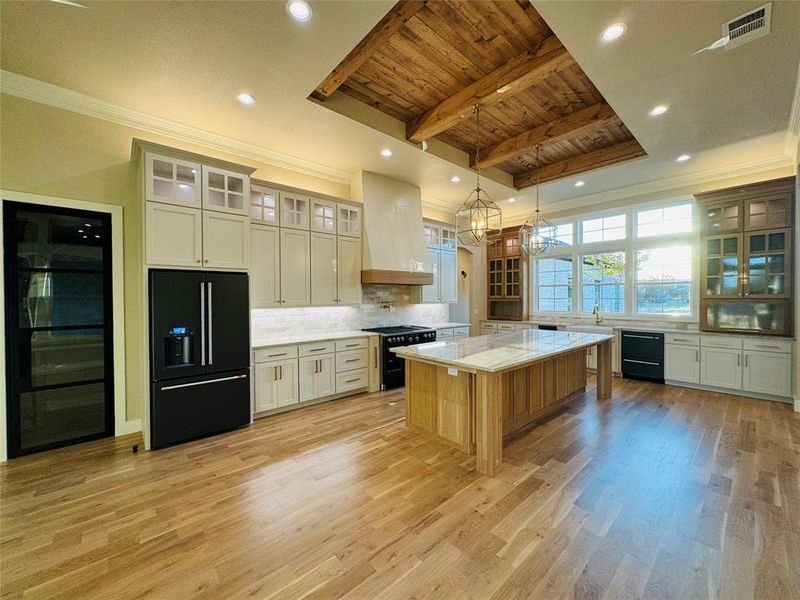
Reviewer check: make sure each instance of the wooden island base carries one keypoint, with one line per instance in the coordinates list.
(473, 411)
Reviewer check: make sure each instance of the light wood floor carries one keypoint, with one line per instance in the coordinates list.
(659, 492)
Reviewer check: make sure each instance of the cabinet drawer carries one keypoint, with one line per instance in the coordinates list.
(718, 341)
(461, 332)
(488, 327)
(277, 353)
(522, 326)
(316, 348)
(352, 380)
(684, 340)
(781, 346)
(506, 327)
(444, 334)
(351, 344)
(353, 359)
(643, 345)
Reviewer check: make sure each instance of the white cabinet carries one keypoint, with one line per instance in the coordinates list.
(173, 235)
(226, 241)
(226, 191)
(317, 377)
(721, 367)
(295, 268)
(348, 270)
(264, 205)
(276, 384)
(682, 363)
(294, 211)
(348, 220)
(767, 373)
(440, 242)
(265, 268)
(448, 291)
(323, 215)
(430, 293)
(323, 269)
(172, 181)
(487, 328)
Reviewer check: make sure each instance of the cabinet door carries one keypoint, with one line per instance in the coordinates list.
(348, 270)
(174, 235)
(172, 181)
(721, 265)
(721, 217)
(266, 376)
(768, 264)
(448, 284)
(374, 363)
(768, 373)
(317, 377)
(295, 268)
(265, 266)
(349, 220)
(430, 293)
(286, 384)
(512, 277)
(226, 241)
(720, 367)
(323, 269)
(769, 212)
(682, 363)
(323, 216)
(326, 376)
(496, 277)
(264, 205)
(294, 211)
(448, 239)
(226, 191)
(431, 235)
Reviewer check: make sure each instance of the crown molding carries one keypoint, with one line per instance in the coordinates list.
(58, 97)
(429, 202)
(793, 132)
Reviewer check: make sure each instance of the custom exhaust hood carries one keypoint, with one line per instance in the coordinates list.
(393, 243)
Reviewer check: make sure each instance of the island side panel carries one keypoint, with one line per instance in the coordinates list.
(604, 370)
(489, 422)
(421, 396)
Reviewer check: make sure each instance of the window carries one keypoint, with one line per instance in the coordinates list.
(664, 221)
(664, 281)
(554, 287)
(603, 282)
(603, 229)
(562, 234)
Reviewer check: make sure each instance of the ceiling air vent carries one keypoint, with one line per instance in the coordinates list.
(747, 27)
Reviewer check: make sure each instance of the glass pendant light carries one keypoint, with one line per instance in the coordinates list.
(479, 220)
(536, 234)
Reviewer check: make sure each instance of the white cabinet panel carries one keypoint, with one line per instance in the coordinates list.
(294, 211)
(264, 205)
(276, 384)
(352, 344)
(323, 216)
(172, 181)
(295, 268)
(348, 257)
(349, 220)
(430, 293)
(448, 290)
(323, 269)
(682, 363)
(265, 283)
(353, 359)
(226, 191)
(444, 334)
(226, 241)
(487, 328)
(352, 380)
(265, 376)
(768, 373)
(174, 235)
(317, 377)
(721, 367)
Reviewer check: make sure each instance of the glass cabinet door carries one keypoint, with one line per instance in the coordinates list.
(294, 211)
(323, 216)
(768, 264)
(349, 220)
(496, 278)
(172, 181)
(512, 277)
(769, 212)
(765, 317)
(431, 234)
(720, 277)
(448, 241)
(721, 218)
(226, 191)
(264, 205)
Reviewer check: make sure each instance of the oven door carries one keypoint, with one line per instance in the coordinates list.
(394, 369)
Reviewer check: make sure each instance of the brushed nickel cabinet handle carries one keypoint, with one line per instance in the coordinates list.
(350, 360)
(352, 380)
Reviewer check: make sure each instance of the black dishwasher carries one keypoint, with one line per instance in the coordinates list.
(643, 355)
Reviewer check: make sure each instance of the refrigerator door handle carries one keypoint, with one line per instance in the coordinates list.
(202, 323)
(210, 325)
(185, 385)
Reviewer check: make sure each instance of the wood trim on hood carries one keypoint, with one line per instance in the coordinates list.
(383, 276)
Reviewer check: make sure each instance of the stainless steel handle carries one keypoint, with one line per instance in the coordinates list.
(643, 337)
(203, 323)
(185, 385)
(641, 362)
(210, 326)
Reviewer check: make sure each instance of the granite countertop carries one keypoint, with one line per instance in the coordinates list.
(446, 325)
(311, 336)
(492, 353)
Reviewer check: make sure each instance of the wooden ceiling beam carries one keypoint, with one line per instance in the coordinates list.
(580, 164)
(566, 127)
(517, 74)
(390, 24)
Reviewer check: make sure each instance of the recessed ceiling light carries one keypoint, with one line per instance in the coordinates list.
(386, 153)
(504, 89)
(87, 224)
(245, 98)
(613, 32)
(658, 110)
(299, 10)
(512, 199)
(580, 183)
(85, 236)
(683, 158)
(455, 179)
(80, 230)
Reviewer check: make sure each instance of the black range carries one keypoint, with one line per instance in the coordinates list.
(393, 368)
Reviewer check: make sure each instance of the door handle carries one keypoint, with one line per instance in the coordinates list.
(746, 361)
(738, 360)
(275, 373)
(203, 323)
(643, 337)
(210, 325)
(641, 362)
(280, 372)
(185, 385)
(696, 355)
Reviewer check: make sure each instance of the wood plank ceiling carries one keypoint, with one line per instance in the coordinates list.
(427, 63)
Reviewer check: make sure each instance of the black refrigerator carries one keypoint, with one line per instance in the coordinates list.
(199, 354)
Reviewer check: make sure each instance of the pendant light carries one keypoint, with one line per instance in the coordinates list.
(479, 220)
(536, 234)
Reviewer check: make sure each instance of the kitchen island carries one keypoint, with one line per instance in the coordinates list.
(471, 392)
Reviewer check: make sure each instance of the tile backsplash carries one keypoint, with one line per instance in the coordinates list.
(381, 305)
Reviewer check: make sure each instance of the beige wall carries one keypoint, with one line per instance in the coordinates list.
(48, 151)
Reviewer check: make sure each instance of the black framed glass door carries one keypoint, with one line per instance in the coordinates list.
(59, 334)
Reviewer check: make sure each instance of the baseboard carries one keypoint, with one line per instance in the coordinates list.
(732, 392)
(127, 427)
(797, 405)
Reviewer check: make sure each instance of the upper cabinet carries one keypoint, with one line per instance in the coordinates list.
(348, 219)
(440, 242)
(323, 215)
(294, 211)
(172, 181)
(772, 211)
(264, 205)
(226, 191)
(724, 217)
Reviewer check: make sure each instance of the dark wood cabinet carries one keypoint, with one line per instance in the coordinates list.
(506, 277)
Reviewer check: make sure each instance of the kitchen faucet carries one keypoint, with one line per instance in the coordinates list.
(598, 318)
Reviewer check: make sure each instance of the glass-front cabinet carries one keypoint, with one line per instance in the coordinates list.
(264, 205)
(721, 269)
(172, 181)
(226, 191)
(721, 218)
(323, 215)
(768, 266)
(765, 317)
(349, 220)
